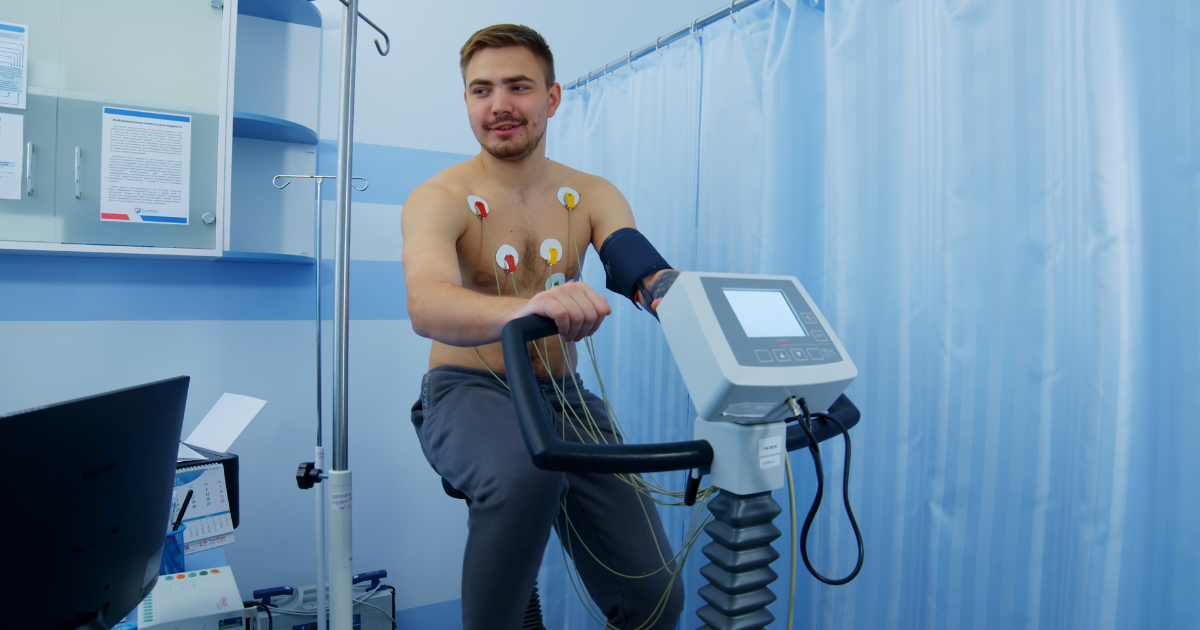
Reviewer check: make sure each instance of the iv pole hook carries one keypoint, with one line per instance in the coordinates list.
(386, 40)
(275, 183)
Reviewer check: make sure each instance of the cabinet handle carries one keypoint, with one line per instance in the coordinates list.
(29, 168)
(78, 195)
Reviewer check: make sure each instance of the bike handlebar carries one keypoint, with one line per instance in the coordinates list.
(550, 452)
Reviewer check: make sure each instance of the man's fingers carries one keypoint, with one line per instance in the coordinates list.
(575, 313)
(590, 317)
(577, 310)
(555, 311)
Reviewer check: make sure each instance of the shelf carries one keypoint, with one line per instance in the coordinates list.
(116, 251)
(290, 259)
(294, 11)
(259, 127)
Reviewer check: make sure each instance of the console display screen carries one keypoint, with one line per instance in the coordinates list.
(764, 313)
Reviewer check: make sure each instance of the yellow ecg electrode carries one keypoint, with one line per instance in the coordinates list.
(551, 251)
(568, 197)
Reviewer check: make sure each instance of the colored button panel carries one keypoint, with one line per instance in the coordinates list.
(215, 571)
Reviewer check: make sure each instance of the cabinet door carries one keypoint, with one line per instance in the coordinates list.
(77, 206)
(31, 218)
(146, 55)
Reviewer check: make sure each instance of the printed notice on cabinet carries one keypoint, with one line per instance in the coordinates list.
(145, 166)
(14, 44)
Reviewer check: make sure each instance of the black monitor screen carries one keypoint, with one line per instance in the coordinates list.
(87, 504)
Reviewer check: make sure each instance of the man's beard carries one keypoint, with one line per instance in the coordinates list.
(514, 151)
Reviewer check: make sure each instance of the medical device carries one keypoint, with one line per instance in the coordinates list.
(85, 531)
(335, 506)
(627, 258)
(755, 354)
(296, 607)
(193, 600)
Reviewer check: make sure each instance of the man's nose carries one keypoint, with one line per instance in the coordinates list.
(502, 103)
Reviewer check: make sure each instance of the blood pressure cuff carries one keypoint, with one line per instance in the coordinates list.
(628, 257)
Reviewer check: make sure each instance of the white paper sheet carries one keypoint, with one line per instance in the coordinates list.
(12, 138)
(14, 44)
(187, 454)
(145, 166)
(225, 422)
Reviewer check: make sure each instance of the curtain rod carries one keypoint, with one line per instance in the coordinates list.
(665, 40)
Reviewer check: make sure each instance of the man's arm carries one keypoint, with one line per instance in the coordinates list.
(442, 309)
(613, 213)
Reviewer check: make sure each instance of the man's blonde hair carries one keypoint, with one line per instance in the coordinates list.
(504, 36)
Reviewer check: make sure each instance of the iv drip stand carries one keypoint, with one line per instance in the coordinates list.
(318, 462)
(338, 508)
(341, 604)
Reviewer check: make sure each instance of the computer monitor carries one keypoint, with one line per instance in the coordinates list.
(88, 493)
(745, 343)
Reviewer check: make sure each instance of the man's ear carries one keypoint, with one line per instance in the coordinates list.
(555, 98)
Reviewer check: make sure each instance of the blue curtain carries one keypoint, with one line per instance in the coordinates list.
(997, 207)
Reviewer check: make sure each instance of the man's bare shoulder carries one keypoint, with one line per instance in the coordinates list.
(590, 187)
(442, 194)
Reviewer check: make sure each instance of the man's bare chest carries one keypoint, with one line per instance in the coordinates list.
(523, 249)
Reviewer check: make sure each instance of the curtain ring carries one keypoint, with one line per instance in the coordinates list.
(694, 26)
(657, 41)
(629, 61)
(731, 10)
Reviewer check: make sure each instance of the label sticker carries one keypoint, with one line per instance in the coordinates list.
(507, 258)
(770, 446)
(552, 251)
(478, 206)
(768, 462)
(568, 197)
(341, 500)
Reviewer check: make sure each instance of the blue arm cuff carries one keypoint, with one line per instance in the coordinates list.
(627, 258)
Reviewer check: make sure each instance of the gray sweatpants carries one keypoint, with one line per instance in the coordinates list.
(468, 431)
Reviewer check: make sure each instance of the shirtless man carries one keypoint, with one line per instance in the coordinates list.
(460, 298)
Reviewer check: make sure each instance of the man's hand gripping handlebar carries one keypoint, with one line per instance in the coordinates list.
(574, 307)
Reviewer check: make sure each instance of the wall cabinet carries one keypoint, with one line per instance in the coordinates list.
(252, 114)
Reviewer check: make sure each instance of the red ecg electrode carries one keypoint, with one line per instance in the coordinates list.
(479, 205)
(512, 264)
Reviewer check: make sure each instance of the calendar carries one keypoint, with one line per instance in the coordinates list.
(208, 519)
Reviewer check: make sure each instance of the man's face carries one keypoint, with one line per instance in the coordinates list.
(508, 101)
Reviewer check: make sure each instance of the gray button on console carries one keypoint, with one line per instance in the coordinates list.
(764, 356)
(781, 355)
(799, 355)
(808, 318)
(819, 335)
(815, 354)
